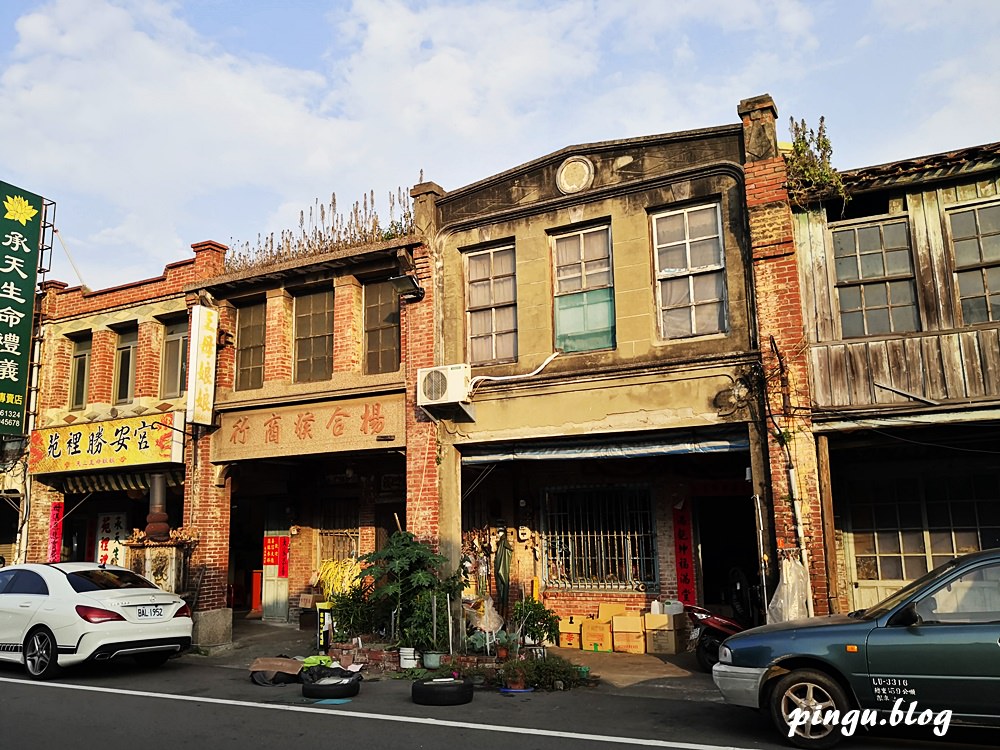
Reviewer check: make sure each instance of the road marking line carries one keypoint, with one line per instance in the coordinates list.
(383, 717)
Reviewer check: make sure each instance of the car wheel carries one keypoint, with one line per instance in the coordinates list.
(152, 659)
(40, 654)
(441, 692)
(346, 688)
(814, 693)
(707, 652)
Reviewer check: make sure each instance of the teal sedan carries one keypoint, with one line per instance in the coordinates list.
(929, 655)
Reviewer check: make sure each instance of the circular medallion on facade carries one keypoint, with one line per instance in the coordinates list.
(575, 174)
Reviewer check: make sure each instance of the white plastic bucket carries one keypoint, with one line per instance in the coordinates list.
(407, 658)
(673, 608)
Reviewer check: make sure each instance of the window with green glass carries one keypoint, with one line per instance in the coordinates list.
(584, 293)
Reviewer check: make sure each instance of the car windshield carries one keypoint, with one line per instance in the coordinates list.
(100, 579)
(893, 600)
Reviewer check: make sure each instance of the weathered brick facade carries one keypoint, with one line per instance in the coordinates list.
(791, 446)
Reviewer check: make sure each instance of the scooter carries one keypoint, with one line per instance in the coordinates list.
(708, 631)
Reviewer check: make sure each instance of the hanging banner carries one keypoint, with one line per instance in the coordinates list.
(20, 243)
(55, 531)
(687, 592)
(201, 364)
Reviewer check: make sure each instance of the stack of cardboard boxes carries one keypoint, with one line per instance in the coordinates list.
(614, 629)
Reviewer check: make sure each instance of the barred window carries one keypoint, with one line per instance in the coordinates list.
(80, 374)
(128, 341)
(173, 369)
(599, 538)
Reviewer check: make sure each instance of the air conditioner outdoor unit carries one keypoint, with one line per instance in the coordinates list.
(440, 386)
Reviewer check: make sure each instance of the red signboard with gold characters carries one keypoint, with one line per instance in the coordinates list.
(684, 555)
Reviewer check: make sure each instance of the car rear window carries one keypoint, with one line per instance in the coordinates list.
(105, 580)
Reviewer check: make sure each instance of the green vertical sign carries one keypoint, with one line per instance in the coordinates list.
(20, 242)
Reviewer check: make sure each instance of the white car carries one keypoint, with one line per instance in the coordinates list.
(55, 615)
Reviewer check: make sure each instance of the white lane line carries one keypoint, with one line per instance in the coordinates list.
(382, 717)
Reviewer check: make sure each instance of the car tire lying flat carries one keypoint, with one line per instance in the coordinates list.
(442, 692)
(345, 689)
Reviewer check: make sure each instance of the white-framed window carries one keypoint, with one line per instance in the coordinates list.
(690, 271)
(584, 290)
(80, 372)
(491, 305)
(875, 287)
(975, 238)
(125, 349)
(173, 366)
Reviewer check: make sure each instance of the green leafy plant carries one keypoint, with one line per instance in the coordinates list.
(811, 175)
(543, 674)
(534, 620)
(352, 612)
(407, 574)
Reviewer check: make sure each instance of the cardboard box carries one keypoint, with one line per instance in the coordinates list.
(571, 623)
(626, 624)
(667, 641)
(306, 601)
(596, 636)
(665, 622)
(570, 640)
(605, 612)
(630, 642)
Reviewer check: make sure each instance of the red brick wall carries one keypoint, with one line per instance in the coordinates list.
(347, 325)
(147, 365)
(423, 494)
(278, 334)
(206, 509)
(102, 365)
(780, 316)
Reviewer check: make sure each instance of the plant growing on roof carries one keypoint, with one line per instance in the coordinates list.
(811, 175)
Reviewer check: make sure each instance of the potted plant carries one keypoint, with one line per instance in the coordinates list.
(514, 675)
(536, 622)
(505, 642)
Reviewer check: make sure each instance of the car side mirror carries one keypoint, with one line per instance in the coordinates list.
(906, 617)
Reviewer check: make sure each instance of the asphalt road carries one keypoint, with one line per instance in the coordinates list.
(194, 703)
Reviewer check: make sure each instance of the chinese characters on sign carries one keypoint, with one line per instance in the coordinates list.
(110, 538)
(20, 240)
(201, 364)
(351, 424)
(684, 555)
(276, 553)
(110, 444)
(55, 531)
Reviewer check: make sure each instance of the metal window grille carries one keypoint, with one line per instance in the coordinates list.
(339, 531)
(600, 538)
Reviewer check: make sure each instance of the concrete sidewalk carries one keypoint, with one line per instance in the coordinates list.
(638, 675)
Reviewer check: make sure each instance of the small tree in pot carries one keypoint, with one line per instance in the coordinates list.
(534, 621)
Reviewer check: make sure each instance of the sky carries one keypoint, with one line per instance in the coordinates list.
(156, 124)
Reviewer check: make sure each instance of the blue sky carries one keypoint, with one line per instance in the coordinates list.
(154, 124)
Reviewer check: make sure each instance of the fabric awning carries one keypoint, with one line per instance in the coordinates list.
(673, 443)
(118, 481)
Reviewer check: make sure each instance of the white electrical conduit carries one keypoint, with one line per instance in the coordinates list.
(483, 378)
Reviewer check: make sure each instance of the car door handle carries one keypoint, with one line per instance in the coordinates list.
(24, 605)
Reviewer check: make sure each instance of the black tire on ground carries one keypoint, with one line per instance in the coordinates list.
(152, 659)
(442, 692)
(331, 689)
(808, 690)
(40, 654)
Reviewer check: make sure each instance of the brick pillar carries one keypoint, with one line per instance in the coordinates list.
(279, 327)
(348, 322)
(791, 446)
(206, 510)
(42, 497)
(147, 361)
(102, 366)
